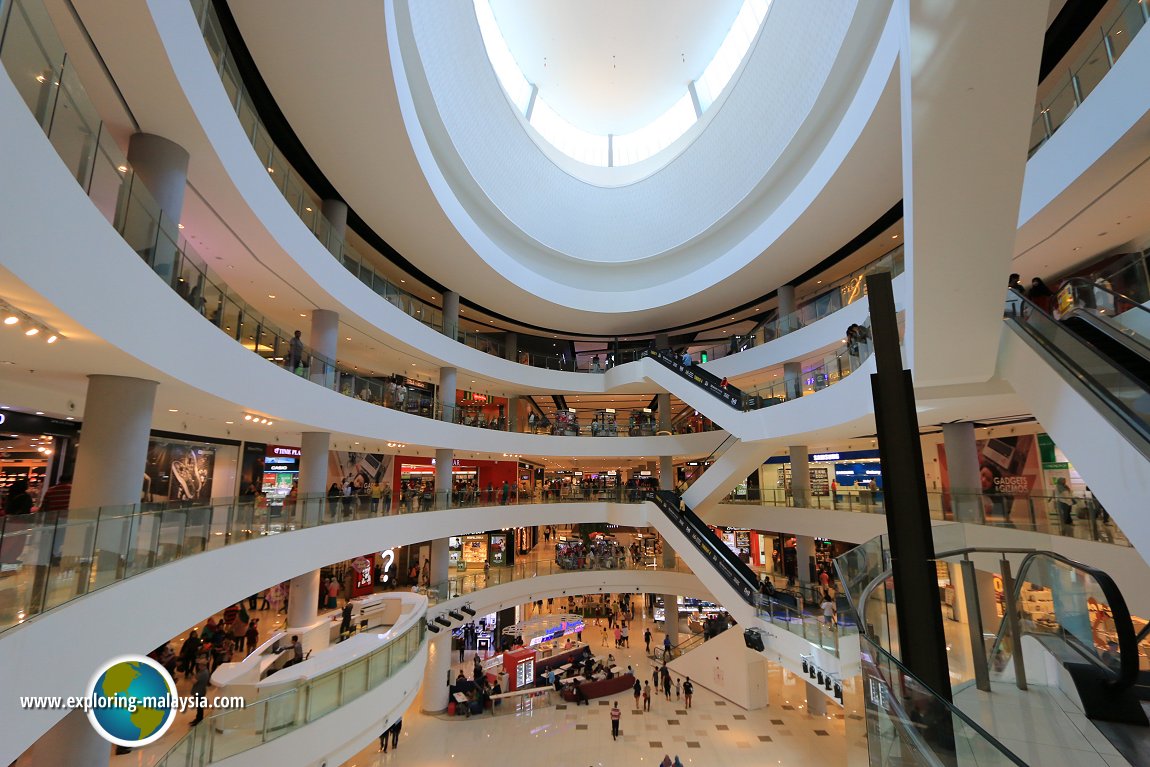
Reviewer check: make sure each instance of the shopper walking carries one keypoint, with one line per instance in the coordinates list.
(647, 639)
(646, 696)
(616, 715)
(638, 690)
(688, 691)
(666, 683)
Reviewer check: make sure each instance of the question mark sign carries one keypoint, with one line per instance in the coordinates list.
(388, 560)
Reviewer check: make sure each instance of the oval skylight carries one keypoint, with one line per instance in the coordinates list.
(593, 147)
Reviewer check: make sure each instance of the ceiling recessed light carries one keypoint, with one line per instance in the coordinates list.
(271, 295)
(53, 338)
(69, 418)
(32, 331)
(302, 314)
(308, 210)
(894, 236)
(271, 169)
(173, 410)
(11, 319)
(229, 422)
(348, 338)
(122, 168)
(39, 412)
(181, 226)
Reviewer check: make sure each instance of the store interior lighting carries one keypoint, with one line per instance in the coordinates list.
(258, 420)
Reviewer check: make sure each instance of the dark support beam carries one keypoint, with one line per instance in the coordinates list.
(921, 641)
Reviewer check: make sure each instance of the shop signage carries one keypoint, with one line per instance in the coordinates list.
(644, 474)
(294, 452)
(3, 418)
(454, 462)
(280, 467)
(825, 457)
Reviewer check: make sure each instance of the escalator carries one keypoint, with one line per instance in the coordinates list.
(1096, 354)
(1078, 615)
(737, 574)
(1117, 326)
(705, 380)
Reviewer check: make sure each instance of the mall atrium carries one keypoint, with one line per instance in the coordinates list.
(434, 383)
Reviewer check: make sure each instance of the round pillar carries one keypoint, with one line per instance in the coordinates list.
(335, 211)
(162, 166)
(303, 602)
(444, 458)
(437, 672)
(114, 442)
(800, 476)
(450, 313)
(324, 341)
(447, 393)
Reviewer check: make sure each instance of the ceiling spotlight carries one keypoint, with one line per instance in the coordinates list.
(247, 418)
(32, 331)
(122, 168)
(455, 615)
(469, 610)
(442, 621)
(433, 628)
(53, 338)
(11, 319)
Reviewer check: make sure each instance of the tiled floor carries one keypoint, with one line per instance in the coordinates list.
(712, 732)
(1041, 726)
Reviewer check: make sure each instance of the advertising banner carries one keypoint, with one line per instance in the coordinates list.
(178, 472)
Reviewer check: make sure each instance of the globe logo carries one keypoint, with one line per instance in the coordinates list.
(132, 701)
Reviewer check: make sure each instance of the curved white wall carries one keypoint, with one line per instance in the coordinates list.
(473, 166)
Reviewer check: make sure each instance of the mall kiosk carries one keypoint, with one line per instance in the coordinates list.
(519, 664)
(604, 424)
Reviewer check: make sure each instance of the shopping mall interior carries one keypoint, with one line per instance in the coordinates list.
(509, 361)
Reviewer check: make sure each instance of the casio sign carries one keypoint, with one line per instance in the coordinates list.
(3, 418)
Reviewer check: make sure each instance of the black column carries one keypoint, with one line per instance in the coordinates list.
(921, 641)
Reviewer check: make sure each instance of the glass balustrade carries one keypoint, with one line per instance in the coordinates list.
(308, 206)
(50, 558)
(232, 732)
(1075, 516)
(1112, 39)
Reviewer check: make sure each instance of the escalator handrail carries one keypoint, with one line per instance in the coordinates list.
(1085, 284)
(1127, 674)
(1016, 319)
(734, 570)
(1103, 323)
(704, 379)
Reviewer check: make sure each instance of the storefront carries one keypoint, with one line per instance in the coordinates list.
(849, 475)
(35, 449)
(412, 396)
(481, 410)
(190, 469)
(478, 550)
(280, 472)
(482, 475)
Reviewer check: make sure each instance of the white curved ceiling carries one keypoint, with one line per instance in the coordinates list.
(331, 75)
(612, 66)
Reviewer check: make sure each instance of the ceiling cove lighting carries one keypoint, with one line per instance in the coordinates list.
(26, 323)
(627, 149)
(258, 420)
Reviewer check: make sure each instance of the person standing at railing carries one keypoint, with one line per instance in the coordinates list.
(295, 354)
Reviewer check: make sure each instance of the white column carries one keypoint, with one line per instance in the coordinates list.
(72, 741)
(303, 602)
(985, 58)
(324, 341)
(804, 554)
(793, 378)
(800, 476)
(450, 313)
(448, 391)
(335, 211)
(964, 474)
(786, 295)
(161, 166)
(440, 561)
(816, 700)
(436, 673)
(444, 458)
(113, 446)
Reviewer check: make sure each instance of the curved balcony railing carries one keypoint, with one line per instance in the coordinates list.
(308, 206)
(1072, 516)
(51, 558)
(232, 732)
(1113, 38)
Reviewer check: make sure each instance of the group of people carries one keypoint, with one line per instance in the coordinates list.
(1038, 292)
(356, 493)
(235, 633)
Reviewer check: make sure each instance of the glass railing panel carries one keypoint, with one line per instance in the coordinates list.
(34, 58)
(354, 681)
(1061, 105)
(323, 696)
(1093, 69)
